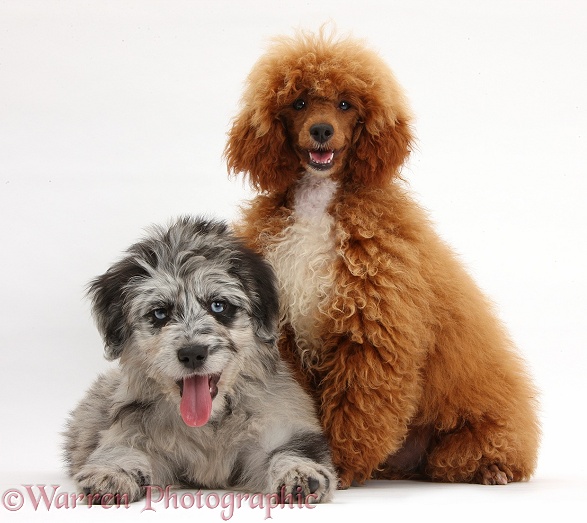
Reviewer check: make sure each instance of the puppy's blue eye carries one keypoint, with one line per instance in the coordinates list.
(159, 317)
(299, 104)
(218, 307)
(344, 105)
(160, 314)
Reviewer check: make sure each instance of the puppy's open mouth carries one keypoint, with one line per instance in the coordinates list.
(197, 392)
(321, 160)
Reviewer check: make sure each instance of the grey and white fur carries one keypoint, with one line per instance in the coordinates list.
(186, 304)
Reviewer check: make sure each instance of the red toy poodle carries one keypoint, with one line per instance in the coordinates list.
(412, 373)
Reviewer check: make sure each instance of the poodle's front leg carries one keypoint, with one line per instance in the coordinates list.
(366, 406)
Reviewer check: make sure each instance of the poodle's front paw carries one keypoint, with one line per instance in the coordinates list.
(495, 474)
(306, 483)
(111, 484)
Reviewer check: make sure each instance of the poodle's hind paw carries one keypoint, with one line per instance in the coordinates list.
(494, 474)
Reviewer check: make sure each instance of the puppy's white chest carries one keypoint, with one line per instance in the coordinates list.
(302, 256)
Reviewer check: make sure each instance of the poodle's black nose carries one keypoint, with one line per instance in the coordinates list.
(193, 356)
(321, 132)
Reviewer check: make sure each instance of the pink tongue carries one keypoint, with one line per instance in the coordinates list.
(196, 402)
(321, 157)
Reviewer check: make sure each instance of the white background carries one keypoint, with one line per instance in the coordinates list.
(113, 115)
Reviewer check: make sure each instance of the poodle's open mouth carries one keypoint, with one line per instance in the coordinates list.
(197, 392)
(321, 160)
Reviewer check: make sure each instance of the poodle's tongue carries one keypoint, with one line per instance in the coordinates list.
(196, 401)
(321, 156)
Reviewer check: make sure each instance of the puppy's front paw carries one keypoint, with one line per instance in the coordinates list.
(306, 482)
(111, 484)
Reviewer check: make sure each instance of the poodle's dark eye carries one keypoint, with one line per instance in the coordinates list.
(299, 104)
(159, 317)
(344, 105)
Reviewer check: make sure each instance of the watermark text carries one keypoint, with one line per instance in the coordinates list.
(52, 497)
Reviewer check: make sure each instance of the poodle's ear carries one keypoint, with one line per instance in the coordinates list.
(108, 298)
(258, 147)
(382, 144)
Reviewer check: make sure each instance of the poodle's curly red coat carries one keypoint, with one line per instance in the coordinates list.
(412, 373)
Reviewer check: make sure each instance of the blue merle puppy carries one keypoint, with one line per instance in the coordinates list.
(200, 397)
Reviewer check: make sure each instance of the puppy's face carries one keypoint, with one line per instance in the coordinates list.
(187, 308)
(187, 329)
(321, 132)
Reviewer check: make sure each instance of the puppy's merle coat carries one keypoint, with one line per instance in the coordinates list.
(201, 397)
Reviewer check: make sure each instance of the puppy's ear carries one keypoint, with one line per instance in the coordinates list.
(259, 281)
(258, 147)
(108, 294)
(382, 144)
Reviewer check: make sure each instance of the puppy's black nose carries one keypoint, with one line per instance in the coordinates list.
(321, 132)
(193, 356)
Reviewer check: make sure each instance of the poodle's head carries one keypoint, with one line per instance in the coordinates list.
(315, 103)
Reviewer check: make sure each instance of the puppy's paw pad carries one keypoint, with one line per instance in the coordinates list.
(111, 485)
(306, 483)
(495, 474)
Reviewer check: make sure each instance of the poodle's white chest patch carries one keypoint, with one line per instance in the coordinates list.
(312, 197)
(302, 256)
